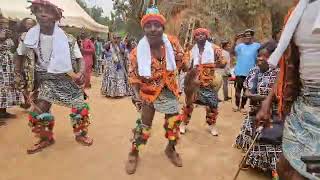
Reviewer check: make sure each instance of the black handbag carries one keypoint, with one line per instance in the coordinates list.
(272, 134)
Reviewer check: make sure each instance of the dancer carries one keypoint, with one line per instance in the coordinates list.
(54, 81)
(200, 81)
(153, 75)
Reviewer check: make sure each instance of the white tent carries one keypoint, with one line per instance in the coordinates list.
(74, 15)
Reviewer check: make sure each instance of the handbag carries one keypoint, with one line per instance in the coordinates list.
(272, 134)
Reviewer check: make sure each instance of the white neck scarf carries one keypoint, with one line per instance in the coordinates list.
(289, 30)
(207, 55)
(144, 56)
(60, 61)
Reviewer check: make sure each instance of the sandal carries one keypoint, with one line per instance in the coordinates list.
(132, 164)
(40, 146)
(174, 157)
(84, 140)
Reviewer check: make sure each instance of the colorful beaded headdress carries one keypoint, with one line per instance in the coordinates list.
(153, 14)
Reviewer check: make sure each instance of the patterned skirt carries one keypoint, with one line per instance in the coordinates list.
(59, 89)
(167, 102)
(301, 136)
(207, 96)
(263, 156)
(115, 81)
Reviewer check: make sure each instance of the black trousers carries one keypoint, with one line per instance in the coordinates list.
(239, 87)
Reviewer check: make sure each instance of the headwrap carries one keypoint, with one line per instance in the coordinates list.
(153, 14)
(201, 30)
(49, 3)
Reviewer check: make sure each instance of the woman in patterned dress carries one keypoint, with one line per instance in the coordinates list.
(115, 78)
(258, 84)
(9, 95)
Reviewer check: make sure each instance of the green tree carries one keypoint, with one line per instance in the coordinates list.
(95, 12)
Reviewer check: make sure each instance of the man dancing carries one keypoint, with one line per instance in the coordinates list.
(153, 74)
(200, 81)
(54, 80)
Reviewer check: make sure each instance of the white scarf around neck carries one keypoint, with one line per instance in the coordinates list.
(207, 55)
(289, 30)
(60, 61)
(144, 57)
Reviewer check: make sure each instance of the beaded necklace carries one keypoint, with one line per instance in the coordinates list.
(41, 54)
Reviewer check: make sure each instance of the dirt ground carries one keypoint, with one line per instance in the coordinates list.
(204, 157)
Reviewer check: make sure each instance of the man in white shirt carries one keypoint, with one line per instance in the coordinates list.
(55, 82)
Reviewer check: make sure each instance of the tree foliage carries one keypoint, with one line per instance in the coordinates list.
(96, 13)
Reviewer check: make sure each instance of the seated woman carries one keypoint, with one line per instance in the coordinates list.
(258, 84)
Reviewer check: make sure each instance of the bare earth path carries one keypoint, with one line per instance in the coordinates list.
(205, 157)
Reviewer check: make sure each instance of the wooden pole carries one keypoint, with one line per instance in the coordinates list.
(247, 153)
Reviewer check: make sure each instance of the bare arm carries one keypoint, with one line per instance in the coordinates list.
(264, 114)
(255, 97)
(235, 43)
